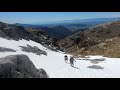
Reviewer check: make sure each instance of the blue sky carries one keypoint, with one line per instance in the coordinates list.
(31, 17)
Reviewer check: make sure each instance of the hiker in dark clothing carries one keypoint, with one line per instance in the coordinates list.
(66, 58)
(72, 61)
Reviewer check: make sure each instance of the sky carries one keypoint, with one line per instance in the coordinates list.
(42, 17)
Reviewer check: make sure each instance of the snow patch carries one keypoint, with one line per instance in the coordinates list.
(55, 65)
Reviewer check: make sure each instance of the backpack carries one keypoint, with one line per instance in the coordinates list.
(71, 60)
(66, 58)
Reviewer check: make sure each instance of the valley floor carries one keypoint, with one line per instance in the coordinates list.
(56, 67)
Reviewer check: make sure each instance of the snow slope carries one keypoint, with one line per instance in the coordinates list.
(55, 66)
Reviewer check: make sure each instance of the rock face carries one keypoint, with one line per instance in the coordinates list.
(34, 49)
(2, 49)
(11, 31)
(19, 66)
(2, 34)
(40, 36)
(43, 74)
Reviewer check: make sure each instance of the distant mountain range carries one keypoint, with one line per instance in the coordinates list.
(76, 21)
(83, 21)
(61, 29)
(57, 32)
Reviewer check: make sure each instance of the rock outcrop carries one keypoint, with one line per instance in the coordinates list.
(19, 66)
(2, 49)
(34, 49)
(13, 32)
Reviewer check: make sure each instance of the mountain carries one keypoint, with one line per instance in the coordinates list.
(11, 31)
(22, 58)
(97, 20)
(57, 32)
(81, 21)
(28, 25)
(97, 40)
(57, 29)
(60, 32)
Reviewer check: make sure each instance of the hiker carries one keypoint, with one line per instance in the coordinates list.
(66, 58)
(72, 61)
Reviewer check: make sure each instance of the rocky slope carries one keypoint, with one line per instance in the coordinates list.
(10, 31)
(94, 40)
(57, 32)
(19, 66)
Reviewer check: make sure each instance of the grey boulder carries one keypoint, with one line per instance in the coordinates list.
(19, 66)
